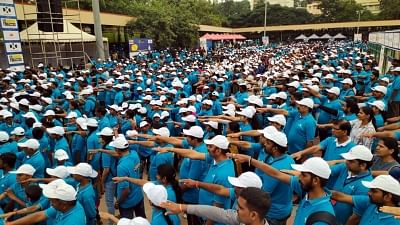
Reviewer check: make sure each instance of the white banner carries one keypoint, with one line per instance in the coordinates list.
(7, 11)
(13, 47)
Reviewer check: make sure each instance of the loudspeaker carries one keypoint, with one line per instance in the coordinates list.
(49, 15)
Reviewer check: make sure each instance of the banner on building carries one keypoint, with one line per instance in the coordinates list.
(11, 38)
(137, 45)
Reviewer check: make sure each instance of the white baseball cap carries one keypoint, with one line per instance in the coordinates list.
(19, 131)
(30, 143)
(49, 113)
(247, 112)
(134, 221)
(71, 114)
(155, 193)
(314, 165)
(378, 104)
(381, 89)
(163, 132)
(281, 95)
(208, 102)
(59, 171)
(53, 184)
(194, 131)
(143, 123)
(82, 123)
(63, 192)
(277, 137)
(56, 130)
(106, 131)
(28, 115)
(164, 114)
(278, 119)
(61, 154)
(219, 141)
(246, 179)
(358, 152)
(4, 137)
(306, 102)
(189, 118)
(24, 102)
(385, 183)
(83, 169)
(229, 112)
(119, 143)
(334, 90)
(212, 124)
(25, 169)
(347, 81)
(91, 122)
(229, 107)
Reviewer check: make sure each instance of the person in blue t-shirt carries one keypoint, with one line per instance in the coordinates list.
(384, 190)
(332, 147)
(31, 155)
(309, 185)
(221, 168)
(348, 177)
(83, 173)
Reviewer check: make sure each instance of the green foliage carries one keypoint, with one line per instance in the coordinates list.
(343, 10)
(390, 9)
(276, 15)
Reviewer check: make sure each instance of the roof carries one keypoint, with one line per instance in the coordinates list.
(219, 37)
(71, 34)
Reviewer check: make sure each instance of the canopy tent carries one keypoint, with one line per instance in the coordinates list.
(71, 34)
(339, 36)
(220, 37)
(301, 37)
(326, 36)
(313, 36)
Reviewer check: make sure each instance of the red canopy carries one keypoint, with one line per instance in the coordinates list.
(219, 37)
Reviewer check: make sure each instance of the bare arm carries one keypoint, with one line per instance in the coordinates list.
(274, 111)
(188, 153)
(149, 144)
(170, 140)
(241, 144)
(353, 220)
(341, 197)
(269, 170)
(308, 151)
(136, 181)
(214, 188)
(30, 219)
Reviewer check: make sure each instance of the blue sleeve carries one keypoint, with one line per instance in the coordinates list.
(310, 130)
(255, 147)
(324, 144)
(222, 179)
(106, 160)
(295, 185)
(397, 135)
(89, 206)
(336, 169)
(360, 204)
(122, 173)
(196, 169)
(396, 84)
(50, 212)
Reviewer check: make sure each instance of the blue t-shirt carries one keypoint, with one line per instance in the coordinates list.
(217, 174)
(75, 216)
(128, 166)
(301, 131)
(339, 180)
(281, 201)
(157, 160)
(87, 198)
(333, 150)
(369, 213)
(307, 207)
(110, 163)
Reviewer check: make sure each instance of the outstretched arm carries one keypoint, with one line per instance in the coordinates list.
(188, 153)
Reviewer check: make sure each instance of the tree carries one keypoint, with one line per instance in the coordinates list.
(342, 10)
(390, 9)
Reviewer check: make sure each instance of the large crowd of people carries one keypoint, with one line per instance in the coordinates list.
(244, 135)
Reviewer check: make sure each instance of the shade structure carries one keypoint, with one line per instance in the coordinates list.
(314, 36)
(339, 36)
(301, 37)
(326, 36)
(220, 37)
(71, 34)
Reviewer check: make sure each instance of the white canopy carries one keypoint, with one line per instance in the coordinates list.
(339, 36)
(301, 37)
(71, 34)
(314, 36)
(326, 36)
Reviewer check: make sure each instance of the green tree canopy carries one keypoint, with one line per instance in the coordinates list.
(390, 9)
(342, 10)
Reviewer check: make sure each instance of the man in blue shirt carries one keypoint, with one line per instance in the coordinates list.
(332, 147)
(129, 196)
(309, 186)
(31, 155)
(384, 190)
(221, 168)
(348, 177)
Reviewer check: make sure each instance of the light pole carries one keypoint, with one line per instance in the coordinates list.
(359, 19)
(97, 29)
(265, 19)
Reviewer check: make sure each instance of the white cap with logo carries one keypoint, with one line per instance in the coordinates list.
(360, 152)
(385, 183)
(246, 179)
(218, 141)
(314, 165)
